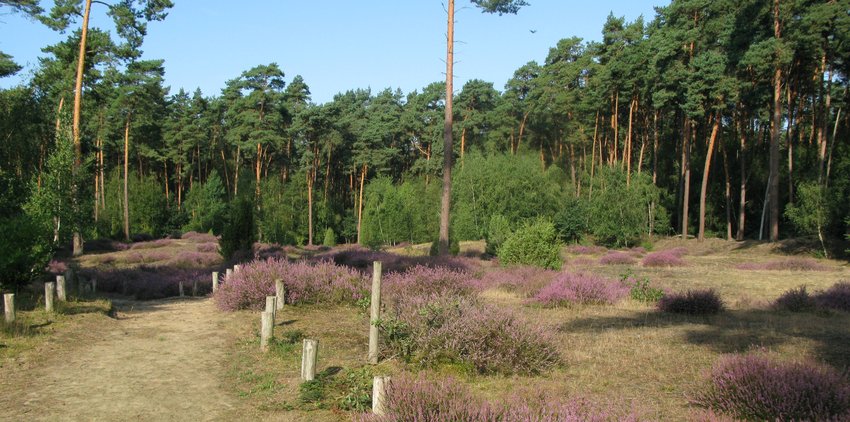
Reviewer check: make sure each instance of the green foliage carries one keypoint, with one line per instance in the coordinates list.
(149, 209)
(572, 221)
(283, 215)
(622, 214)
(24, 252)
(311, 392)
(330, 238)
(239, 233)
(356, 390)
(535, 243)
(498, 230)
(399, 213)
(641, 290)
(810, 213)
(454, 247)
(206, 206)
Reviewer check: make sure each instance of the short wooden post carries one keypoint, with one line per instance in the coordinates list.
(227, 274)
(60, 288)
(379, 394)
(270, 307)
(49, 292)
(266, 330)
(194, 288)
(214, 281)
(309, 356)
(9, 304)
(236, 268)
(180, 287)
(376, 312)
(279, 293)
(94, 285)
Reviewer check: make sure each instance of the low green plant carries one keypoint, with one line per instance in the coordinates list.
(356, 390)
(454, 247)
(535, 243)
(330, 238)
(640, 288)
(498, 230)
(312, 392)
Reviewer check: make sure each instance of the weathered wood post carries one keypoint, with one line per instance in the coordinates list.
(9, 304)
(376, 312)
(379, 394)
(266, 330)
(236, 268)
(214, 281)
(270, 307)
(279, 293)
(309, 356)
(194, 288)
(227, 274)
(180, 288)
(60, 288)
(49, 291)
(94, 285)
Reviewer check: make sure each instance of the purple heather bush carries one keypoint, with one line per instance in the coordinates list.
(418, 399)
(147, 283)
(159, 243)
(361, 259)
(753, 387)
(190, 259)
(795, 300)
(305, 282)
(666, 258)
(637, 251)
(581, 262)
(105, 245)
(586, 250)
(787, 264)
(581, 288)
(526, 281)
(836, 297)
(692, 302)
(424, 281)
(209, 247)
(56, 267)
(196, 237)
(617, 258)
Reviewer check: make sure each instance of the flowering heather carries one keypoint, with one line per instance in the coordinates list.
(836, 297)
(208, 247)
(362, 259)
(105, 245)
(753, 387)
(637, 251)
(147, 283)
(667, 258)
(586, 250)
(581, 262)
(196, 237)
(159, 243)
(573, 288)
(189, 259)
(693, 302)
(795, 300)
(56, 267)
(787, 264)
(321, 282)
(617, 258)
(526, 281)
(418, 399)
(421, 280)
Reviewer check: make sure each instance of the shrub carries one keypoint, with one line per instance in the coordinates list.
(417, 398)
(498, 230)
(753, 387)
(196, 237)
(421, 280)
(208, 247)
(787, 264)
(795, 300)
(362, 259)
(239, 232)
(617, 258)
(330, 238)
(836, 297)
(206, 205)
(159, 243)
(641, 290)
(534, 244)
(146, 282)
(526, 281)
(571, 221)
(581, 288)
(189, 259)
(321, 282)
(586, 250)
(668, 258)
(454, 247)
(693, 302)
(624, 212)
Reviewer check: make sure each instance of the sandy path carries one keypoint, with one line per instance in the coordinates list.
(159, 360)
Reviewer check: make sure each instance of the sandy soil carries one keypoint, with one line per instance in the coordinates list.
(160, 360)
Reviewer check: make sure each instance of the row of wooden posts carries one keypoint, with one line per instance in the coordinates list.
(310, 347)
(52, 291)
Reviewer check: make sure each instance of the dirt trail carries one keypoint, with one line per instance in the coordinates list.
(160, 360)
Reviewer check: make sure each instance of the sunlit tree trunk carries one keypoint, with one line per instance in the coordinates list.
(126, 178)
(360, 203)
(774, 136)
(445, 206)
(704, 188)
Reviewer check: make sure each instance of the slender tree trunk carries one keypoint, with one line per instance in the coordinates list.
(774, 136)
(236, 173)
(593, 153)
(742, 204)
(628, 148)
(360, 203)
(832, 147)
(446, 198)
(705, 172)
(655, 148)
(728, 192)
(822, 127)
(78, 86)
(165, 171)
(126, 178)
(224, 164)
(521, 131)
(686, 176)
(615, 124)
(462, 144)
(258, 168)
(310, 210)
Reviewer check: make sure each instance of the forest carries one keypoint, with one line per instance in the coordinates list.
(710, 119)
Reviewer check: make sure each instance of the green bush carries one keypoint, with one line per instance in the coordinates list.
(454, 247)
(330, 238)
(498, 230)
(239, 233)
(535, 243)
(623, 214)
(206, 206)
(24, 251)
(571, 221)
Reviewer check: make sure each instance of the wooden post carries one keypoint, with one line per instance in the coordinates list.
(236, 268)
(227, 274)
(309, 356)
(180, 287)
(376, 312)
(49, 292)
(279, 293)
(9, 303)
(379, 394)
(266, 330)
(94, 285)
(270, 307)
(214, 281)
(194, 288)
(60, 288)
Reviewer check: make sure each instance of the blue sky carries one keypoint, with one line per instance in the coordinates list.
(338, 45)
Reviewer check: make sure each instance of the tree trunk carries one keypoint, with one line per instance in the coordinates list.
(774, 136)
(310, 210)
(705, 172)
(742, 204)
(628, 148)
(521, 131)
(655, 148)
(728, 192)
(686, 177)
(822, 127)
(360, 204)
(832, 148)
(593, 153)
(126, 178)
(78, 86)
(615, 124)
(462, 144)
(446, 198)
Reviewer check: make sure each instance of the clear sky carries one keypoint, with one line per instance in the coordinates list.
(337, 45)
